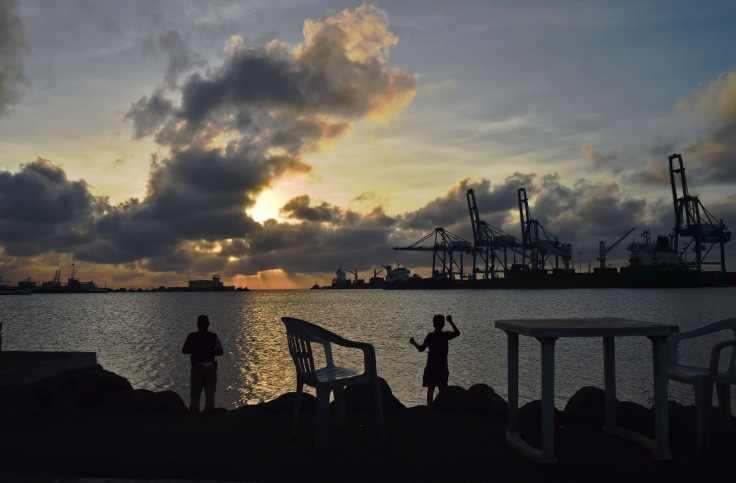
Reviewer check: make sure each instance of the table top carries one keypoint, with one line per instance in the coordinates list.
(585, 327)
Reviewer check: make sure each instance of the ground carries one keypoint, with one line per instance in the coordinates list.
(152, 436)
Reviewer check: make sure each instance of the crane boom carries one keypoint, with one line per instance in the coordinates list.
(603, 250)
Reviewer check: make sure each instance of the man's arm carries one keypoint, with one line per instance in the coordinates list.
(187, 349)
(218, 347)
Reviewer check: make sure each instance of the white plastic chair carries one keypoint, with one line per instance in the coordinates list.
(703, 378)
(300, 336)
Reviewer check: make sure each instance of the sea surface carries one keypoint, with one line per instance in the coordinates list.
(139, 335)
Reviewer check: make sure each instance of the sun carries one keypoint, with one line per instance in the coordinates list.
(266, 207)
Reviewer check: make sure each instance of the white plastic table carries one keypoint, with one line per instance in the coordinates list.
(547, 331)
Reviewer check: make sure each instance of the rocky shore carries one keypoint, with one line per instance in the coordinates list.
(92, 423)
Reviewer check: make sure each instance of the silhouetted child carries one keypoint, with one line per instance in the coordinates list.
(436, 372)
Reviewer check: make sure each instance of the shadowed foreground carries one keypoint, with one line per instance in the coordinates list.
(91, 423)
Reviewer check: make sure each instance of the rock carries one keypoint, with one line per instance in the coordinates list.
(361, 398)
(91, 386)
(285, 403)
(145, 401)
(587, 406)
(95, 387)
(484, 399)
(452, 398)
(530, 414)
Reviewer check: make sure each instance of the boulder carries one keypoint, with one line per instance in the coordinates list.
(452, 398)
(530, 414)
(285, 403)
(91, 386)
(587, 406)
(361, 398)
(484, 399)
(145, 401)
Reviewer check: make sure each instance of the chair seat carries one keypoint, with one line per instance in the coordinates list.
(334, 373)
(687, 374)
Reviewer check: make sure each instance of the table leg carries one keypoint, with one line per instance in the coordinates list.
(548, 398)
(546, 455)
(609, 377)
(661, 408)
(513, 381)
(659, 446)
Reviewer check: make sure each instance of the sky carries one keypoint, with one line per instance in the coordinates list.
(273, 142)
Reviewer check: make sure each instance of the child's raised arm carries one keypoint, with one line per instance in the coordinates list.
(452, 324)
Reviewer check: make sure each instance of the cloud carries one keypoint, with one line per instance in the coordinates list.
(147, 113)
(12, 47)
(585, 210)
(451, 211)
(608, 161)
(715, 148)
(240, 126)
(324, 238)
(224, 135)
(299, 208)
(41, 210)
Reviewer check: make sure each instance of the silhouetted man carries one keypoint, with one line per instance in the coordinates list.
(203, 346)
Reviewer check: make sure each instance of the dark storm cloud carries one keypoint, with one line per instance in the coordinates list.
(41, 210)
(253, 77)
(586, 212)
(148, 113)
(12, 47)
(452, 213)
(299, 208)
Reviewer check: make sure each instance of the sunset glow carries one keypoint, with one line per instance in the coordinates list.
(271, 143)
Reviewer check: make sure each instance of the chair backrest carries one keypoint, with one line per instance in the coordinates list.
(710, 328)
(300, 335)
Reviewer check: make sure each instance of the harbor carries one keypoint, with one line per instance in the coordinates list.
(495, 259)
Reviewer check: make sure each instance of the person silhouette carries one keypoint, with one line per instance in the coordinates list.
(436, 371)
(202, 346)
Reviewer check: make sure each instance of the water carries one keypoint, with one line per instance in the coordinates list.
(139, 335)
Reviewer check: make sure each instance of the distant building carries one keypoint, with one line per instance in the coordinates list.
(209, 285)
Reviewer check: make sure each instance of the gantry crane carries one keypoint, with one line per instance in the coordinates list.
(695, 228)
(539, 245)
(445, 247)
(491, 244)
(603, 250)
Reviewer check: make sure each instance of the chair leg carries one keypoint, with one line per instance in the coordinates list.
(322, 419)
(340, 405)
(724, 405)
(297, 407)
(703, 403)
(379, 410)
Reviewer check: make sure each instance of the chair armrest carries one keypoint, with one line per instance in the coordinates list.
(369, 352)
(715, 355)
